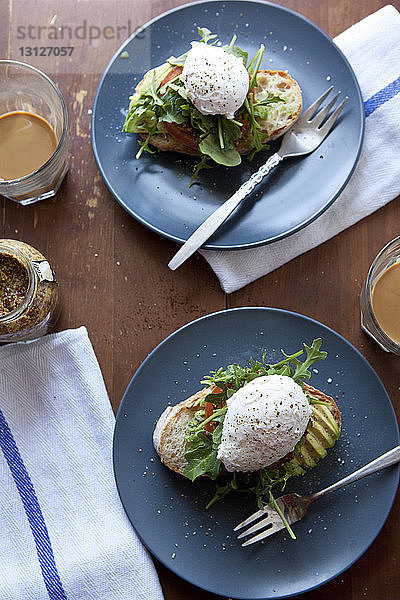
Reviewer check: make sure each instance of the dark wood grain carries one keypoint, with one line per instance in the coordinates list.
(113, 274)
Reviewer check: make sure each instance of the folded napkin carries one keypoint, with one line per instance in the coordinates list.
(63, 531)
(372, 47)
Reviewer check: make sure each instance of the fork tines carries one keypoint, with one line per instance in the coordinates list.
(309, 115)
(270, 525)
(252, 518)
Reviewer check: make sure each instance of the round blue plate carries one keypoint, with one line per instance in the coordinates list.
(168, 511)
(155, 189)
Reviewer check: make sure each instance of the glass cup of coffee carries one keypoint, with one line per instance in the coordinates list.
(33, 134)
(380, 298)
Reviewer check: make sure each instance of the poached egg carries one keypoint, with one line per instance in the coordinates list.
(264, 421)
(215, 81)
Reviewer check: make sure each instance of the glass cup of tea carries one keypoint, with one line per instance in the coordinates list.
(33, 134)
(380, 298)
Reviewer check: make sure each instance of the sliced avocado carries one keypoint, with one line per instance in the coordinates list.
(323, 416)
(296, 468)
(306, 455)
(315, 445)
(322, 433)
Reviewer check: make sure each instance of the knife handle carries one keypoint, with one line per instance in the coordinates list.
(215, 220)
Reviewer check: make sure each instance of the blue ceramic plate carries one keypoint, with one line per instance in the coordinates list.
(168, 511)
(155, 189)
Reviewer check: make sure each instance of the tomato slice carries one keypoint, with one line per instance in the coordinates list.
(216, 390)
(184, 134)
(208, 411)
(174, 72)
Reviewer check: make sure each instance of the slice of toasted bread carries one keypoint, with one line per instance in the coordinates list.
(281, 115)
(171, 429)
(168, 143)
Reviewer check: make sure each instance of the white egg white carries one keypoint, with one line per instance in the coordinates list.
(265, 420)
(215, 81)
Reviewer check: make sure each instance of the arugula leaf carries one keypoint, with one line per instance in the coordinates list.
(202, 164)
(259, 483)
(178, 61)
(235, 376)
(152, 90)
(212, 131)
(217, 433)
(269, 99)
(275, 506)
(144, 146)
(140, 118)
(222, 490)
(312, 401)
(239, 53)
(202, 454)
(254, 65)
(206, 35)
(314, 354)
(172, 116)
(217, 416)
(229, 157)
(193, 424)
(236, 51)
(202, 458)
(231, 130)
(174, 110)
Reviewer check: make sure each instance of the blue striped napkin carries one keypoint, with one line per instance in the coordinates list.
(372, 47)
(64, 534)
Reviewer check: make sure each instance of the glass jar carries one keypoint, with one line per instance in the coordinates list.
(29, 302)
(387, 258)
(25, 88)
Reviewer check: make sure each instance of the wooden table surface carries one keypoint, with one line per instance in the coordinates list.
(113, 272)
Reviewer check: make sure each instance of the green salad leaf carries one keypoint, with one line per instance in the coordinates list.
(178, 61)
(229, 157)
(202, 458)
(202, 454)
(206, 35)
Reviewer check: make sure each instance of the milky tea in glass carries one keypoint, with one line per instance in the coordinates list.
(380, 298)
(33, 134)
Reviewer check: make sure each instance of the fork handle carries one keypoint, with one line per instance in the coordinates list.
(215, 220)
(256, 178)
(386, 460)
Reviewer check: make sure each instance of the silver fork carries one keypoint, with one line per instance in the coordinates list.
(303, 138)
(294, 507)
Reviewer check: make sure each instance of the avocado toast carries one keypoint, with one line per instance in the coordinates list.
(162, 112)
(189, 436)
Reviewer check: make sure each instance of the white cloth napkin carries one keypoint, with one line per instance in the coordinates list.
(372, 47)
(62, 526)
